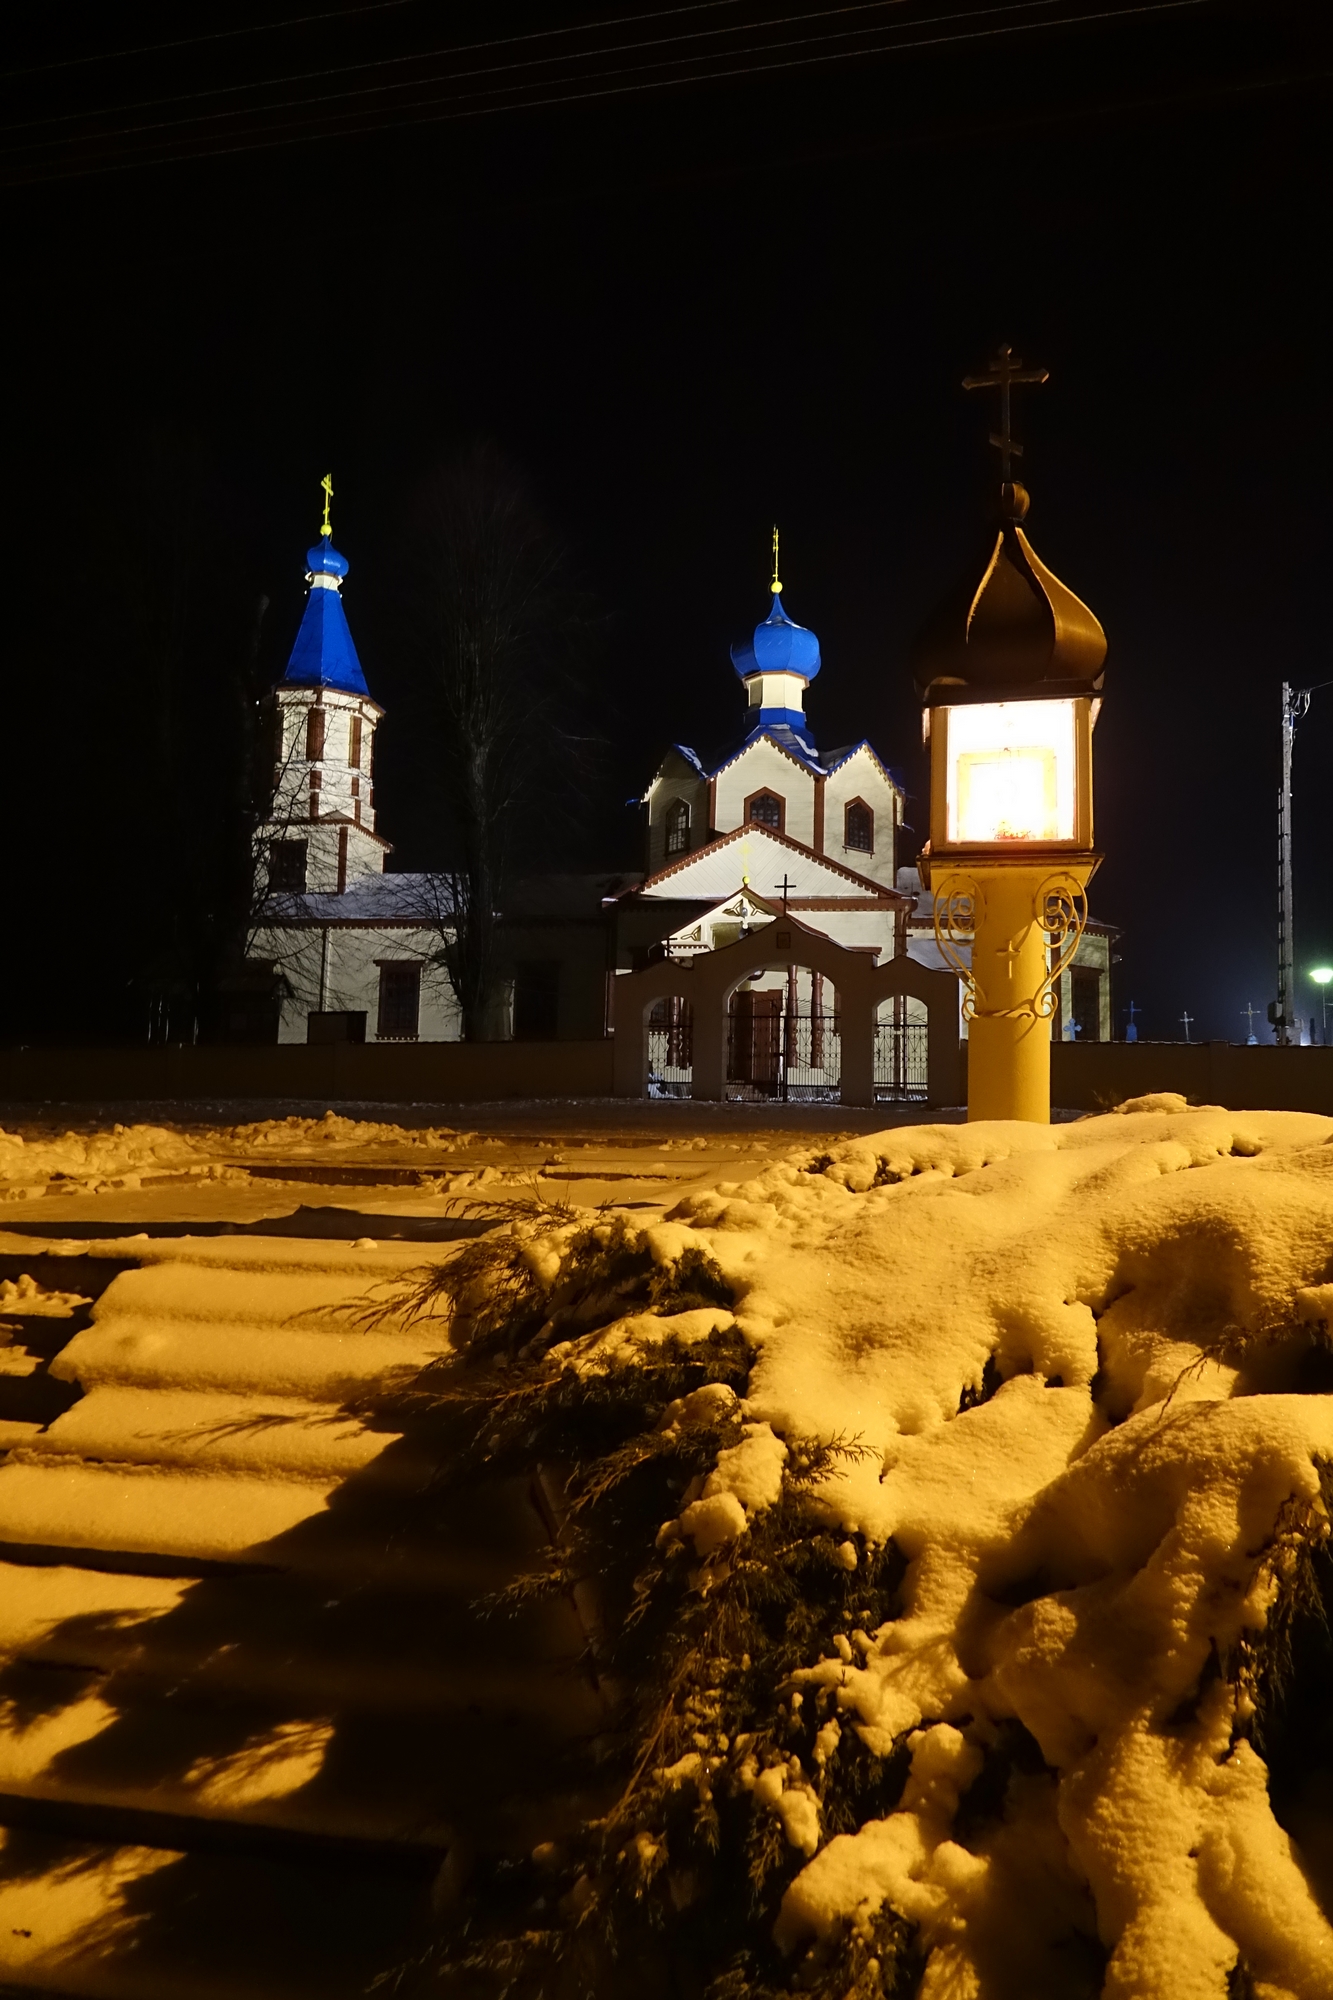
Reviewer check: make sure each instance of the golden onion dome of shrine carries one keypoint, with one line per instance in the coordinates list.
(1015, 630)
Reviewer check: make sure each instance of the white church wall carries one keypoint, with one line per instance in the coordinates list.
(336, 970)
(676, 780)
(860, 777)
(343, 787)
(761, 767)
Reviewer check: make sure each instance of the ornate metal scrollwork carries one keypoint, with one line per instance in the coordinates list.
(1059, 911)
(1060, 907)
(959, 908)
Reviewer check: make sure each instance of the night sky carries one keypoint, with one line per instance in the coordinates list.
(684, 313)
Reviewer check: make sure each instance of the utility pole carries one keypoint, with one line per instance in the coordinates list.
(1295, 702)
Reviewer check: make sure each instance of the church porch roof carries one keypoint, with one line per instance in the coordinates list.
(783, 846)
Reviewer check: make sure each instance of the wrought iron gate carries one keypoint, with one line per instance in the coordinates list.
(671, 1048)
(774, 1051)
(901, 1061)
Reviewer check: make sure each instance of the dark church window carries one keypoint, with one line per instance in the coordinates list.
(286, 864)
(536, 999)
(354, 743)
(314, 735)
(400, 1002)
(678, 827)
(765, 809)
(859, 827)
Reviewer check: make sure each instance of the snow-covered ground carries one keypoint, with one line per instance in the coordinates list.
(1092, 1548)
(1084, 1363)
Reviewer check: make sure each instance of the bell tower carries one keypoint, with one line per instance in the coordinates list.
(319, 835)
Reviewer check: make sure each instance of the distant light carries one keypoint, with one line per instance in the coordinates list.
(1321, 974)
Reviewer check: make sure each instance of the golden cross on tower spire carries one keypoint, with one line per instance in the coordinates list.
(776, 584)
(326, 486)
(1005, 370)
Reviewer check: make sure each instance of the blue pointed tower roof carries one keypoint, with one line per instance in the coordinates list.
(324, 655)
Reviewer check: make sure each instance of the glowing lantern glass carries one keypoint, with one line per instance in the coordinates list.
(1012, 774)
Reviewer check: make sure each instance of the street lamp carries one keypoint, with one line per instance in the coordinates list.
(1321, 975)
(1009, 671)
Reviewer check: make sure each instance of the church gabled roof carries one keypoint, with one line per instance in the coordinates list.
(324, 655)
(760, 852)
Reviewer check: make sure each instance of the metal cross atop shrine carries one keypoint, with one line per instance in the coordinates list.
(1187, 1022)
(1004, 371)
(326, 487)
(1250, 1011)
(784, 889)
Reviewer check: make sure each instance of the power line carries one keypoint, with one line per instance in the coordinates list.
(529, 63)
(332, 125)
(339, 14)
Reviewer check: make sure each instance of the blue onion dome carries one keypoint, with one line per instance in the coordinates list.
(324, 560)
(778, 646)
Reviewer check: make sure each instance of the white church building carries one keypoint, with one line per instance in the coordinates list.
(358, 953)
(777, 821)
(777, 827)
(781, 827)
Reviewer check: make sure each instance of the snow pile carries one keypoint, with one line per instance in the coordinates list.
(1074, 1355)
(130, 1156)
(277, 1136)
(92, 1160)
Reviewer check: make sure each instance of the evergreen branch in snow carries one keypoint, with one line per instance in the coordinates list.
(696, 1653)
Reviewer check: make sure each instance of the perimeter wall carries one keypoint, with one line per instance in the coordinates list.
(1087, 1076)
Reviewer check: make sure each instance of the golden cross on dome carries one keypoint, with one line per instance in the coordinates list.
(1004, 371)
(326, 487)
(776, 584)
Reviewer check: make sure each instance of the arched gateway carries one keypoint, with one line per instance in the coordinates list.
(854, 1046)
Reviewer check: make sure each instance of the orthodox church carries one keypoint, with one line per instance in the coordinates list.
(358, 953)
(778, 823)
(778, 827)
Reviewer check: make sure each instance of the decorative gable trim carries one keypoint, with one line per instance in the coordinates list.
(807, 765)
(889, 898)
(845, 757)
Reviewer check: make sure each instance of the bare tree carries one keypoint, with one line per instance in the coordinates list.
(497, 631)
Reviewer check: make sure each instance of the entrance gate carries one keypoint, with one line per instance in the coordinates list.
(711, 1027)
(775, 1051)
(671, 1047)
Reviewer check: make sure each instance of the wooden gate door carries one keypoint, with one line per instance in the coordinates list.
(755, 1051)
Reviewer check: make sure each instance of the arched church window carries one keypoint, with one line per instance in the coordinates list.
(678, 827)
(765, 809)
(859, 827)
(314, 735)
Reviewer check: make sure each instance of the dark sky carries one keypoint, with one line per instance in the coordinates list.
(688, 312)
